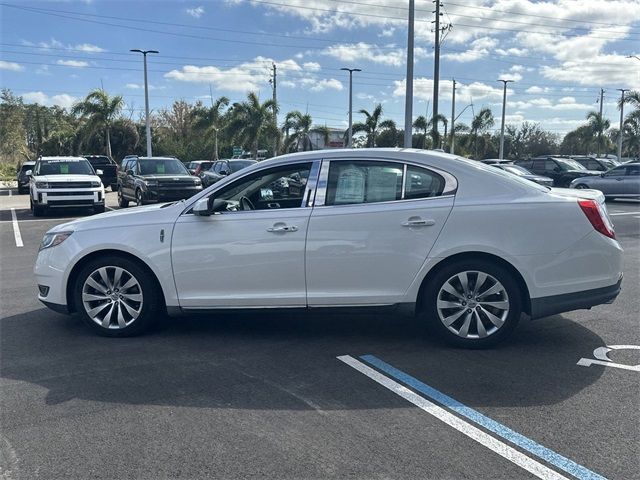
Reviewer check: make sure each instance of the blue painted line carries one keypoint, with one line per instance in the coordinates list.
(499, 429)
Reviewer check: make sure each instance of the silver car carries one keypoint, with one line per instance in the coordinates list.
(622, 181)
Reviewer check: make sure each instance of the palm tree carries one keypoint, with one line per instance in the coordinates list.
(479, 126)
(631, 129)
(439, 119)
(598, 125)
(100, 111)
(370, 125)
(211, 119)
(421, 123)
(302, 126)
(632, 97)
(252, 119)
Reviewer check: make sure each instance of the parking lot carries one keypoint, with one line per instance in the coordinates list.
(290, 395)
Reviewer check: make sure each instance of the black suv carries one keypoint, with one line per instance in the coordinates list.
(23, 178)
(108, 167)
(562, 170)
(154, 179)
(595, 163)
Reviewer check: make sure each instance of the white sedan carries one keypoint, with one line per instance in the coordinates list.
(464, 245)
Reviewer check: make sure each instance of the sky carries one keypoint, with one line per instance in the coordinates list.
(559, 54)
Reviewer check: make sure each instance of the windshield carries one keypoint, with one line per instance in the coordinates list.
(64, 167)
(235, 166)
(164, 166)
(26, 167)
(516, 170)
(569, 164)
(609, 163)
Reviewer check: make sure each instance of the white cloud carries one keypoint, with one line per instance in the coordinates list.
(73, 63)
(366, 52)
(87, 48)
(325, 84)
(11, 66)
(423, 90)
(56, 44)
(135, 86)
(479, 48)
(387, 32)
(311, 66)
(62, 100)
(196, 12)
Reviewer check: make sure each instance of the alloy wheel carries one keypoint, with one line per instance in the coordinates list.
(473, 304)
(112, 297)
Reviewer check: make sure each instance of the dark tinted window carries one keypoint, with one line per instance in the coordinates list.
(235, 166)
(26, 167)
(422, 183)
(363, 182)
(162, 166)
(99, 160)
(633, 170)
(617, 172)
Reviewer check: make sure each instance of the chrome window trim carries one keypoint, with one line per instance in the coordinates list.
(449, 190)
(404, 180)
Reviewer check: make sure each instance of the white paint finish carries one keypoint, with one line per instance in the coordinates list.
(361, 254)
(602, 358)
(232, 259)
(527, 463)
(16, 229)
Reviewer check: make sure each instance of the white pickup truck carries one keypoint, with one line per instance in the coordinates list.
(64, 182)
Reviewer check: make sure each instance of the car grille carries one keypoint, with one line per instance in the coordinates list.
(69, 184)
(176, 183)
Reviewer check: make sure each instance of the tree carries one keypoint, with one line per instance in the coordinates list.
(302, 126)
(598, 125)
(211, 120)
(480, 124)
(422, 124)
(389, 135)
(530, 139)
(577, 141)
(99, 111)
(12, 131)
(631, 128)
(251, 120)
(370, 125)
(632, 97)
(439, 118)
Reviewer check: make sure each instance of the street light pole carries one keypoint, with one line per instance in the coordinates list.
(453, 119)
(350, 70)
(621, 131)
(504, 105)
(408, 101)
(146, 96)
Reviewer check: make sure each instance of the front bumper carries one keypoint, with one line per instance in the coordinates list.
(69, 198)
(566, 302)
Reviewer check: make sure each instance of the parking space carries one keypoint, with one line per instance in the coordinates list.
(269, 394)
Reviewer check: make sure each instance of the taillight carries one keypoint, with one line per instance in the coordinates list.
(597, 216)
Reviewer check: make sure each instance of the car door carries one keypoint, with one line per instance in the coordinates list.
(631, 181)
(128, 188)
(244, 257)
(371, 229)
(613, 181)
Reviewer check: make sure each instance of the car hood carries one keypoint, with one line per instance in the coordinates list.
(579, 193)
(67, 178)
(125, 217)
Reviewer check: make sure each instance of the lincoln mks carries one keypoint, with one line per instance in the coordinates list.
(467, 247)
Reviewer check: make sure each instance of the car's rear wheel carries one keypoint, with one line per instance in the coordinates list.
(116, 297)
(473, 304)
(122, 202)
(22, 191)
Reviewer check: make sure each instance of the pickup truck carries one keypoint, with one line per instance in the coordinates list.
(109, 175)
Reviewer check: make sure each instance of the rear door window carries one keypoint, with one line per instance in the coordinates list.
(353, 182)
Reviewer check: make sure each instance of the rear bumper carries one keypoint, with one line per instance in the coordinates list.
(566, 302)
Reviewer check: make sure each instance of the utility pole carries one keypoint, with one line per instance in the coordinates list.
(436, 76)
(504, 107)
(275, 110)
(620, 132)
(146, 97)
(408, 98)
(600, 120)
(350, 135)
(453, 118)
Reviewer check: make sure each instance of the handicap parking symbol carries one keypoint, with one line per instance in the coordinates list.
(601, 358)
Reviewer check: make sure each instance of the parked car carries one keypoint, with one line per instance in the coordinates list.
(22, 177)
(373, 227)
(619, 182)
(109, 168)
(222, 168)
(154, 179)
(561, 170)
(198, 166)
(524, 173)
(59, 182)
(599, 164)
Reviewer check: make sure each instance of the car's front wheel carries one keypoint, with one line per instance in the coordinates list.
(122, 202)
(473, 304)
(139, 198)
(116, 297)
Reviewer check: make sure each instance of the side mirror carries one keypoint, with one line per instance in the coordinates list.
(603, 174)
(28, 173)
(201, 208)
(99, 172)
(224, 172)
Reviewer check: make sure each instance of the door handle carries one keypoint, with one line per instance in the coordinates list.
(282, 228)
(418, 222)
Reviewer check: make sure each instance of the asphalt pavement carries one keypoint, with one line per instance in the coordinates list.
(264, 395)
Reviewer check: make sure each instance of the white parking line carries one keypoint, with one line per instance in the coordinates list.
(16, 228)
(501, 448)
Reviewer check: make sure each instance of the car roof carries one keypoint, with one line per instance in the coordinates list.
(63, 159)
(156, 158)
(29, 162)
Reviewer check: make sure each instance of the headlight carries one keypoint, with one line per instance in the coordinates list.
(151, 183)
(197, 182)
(96, 184)
(53, 239)
(42, 184)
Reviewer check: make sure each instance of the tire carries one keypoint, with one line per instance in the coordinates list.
(114, 187)
(98, 209)
(488, 321)
(39, 210)
(22, 191)
(581, 186)
(139, 198)
(122, 202)
(125, 311)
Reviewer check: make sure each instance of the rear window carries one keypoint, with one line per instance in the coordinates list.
(99, 160)
(236, 166)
